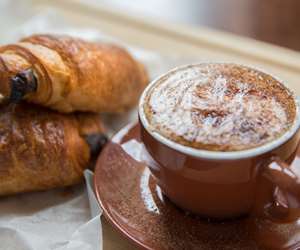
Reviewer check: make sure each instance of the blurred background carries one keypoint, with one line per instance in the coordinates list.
(273, 21)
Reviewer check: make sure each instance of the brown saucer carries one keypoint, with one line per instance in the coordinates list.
(134, 204)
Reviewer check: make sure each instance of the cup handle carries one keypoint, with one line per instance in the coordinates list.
(287, 183)
(280, 173)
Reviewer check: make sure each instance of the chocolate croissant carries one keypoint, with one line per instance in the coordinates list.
(42, 149)
(68, 74)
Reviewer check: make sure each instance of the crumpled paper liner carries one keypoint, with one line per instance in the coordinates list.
(57, 219)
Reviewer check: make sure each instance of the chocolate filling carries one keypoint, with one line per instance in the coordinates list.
(21, 84)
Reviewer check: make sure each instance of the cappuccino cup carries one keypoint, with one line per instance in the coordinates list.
(213, 130)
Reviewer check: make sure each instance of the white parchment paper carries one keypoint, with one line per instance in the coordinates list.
(62, 219)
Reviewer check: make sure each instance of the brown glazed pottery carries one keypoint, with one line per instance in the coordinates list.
(214, 184)
(134, 203)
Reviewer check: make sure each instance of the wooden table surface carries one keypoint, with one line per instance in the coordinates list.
(274, 21)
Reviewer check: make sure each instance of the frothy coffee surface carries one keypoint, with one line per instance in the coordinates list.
(219, 107)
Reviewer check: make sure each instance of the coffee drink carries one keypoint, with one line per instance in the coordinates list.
(219, 107)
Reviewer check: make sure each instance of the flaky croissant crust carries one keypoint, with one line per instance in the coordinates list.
(42, 149)
(73, 74)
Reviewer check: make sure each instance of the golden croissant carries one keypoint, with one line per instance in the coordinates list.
(42, 149)
(68, 74)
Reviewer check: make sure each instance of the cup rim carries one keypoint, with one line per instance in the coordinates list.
(218, 155)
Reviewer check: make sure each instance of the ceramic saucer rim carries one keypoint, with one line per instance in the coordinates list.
(105, 212)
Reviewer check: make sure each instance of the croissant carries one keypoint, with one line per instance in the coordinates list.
(68, 74)
(42, 149)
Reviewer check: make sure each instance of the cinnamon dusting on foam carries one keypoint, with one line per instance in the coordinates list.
(219, 107)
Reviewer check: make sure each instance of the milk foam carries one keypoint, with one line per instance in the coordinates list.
(203, 107)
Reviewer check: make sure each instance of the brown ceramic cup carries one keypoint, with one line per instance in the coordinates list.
(214, 184)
